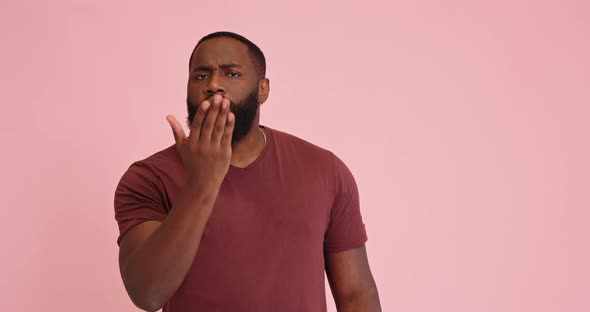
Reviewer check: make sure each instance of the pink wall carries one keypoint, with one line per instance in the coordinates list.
(465, 123)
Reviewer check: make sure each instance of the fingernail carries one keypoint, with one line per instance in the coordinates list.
(224, 104)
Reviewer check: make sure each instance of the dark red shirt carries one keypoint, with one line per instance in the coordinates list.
(263, 246)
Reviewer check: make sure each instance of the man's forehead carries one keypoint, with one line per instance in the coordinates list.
(222, 50)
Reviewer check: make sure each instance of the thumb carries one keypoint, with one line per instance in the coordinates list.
(177, 130)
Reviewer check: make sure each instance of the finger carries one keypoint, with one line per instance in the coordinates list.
(228, 131)
(209, 122)
(197, 122)
(177, 130)
(220, 123)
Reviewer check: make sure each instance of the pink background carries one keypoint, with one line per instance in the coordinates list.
(465, 124)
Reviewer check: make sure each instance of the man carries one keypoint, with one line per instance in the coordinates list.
(237, 216)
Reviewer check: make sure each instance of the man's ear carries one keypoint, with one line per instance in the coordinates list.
(263, 90)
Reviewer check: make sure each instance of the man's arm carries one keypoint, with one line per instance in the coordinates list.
(154, 257)
(351, 281)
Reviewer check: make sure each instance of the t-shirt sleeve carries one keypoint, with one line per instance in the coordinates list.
(346, 229)
(138, 199)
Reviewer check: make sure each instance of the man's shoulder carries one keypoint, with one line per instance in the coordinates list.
(166, 154)
(310, 157)
(302, 150)
(164, 159)
(285, 140)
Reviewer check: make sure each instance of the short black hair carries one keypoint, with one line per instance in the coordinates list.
(255, 52)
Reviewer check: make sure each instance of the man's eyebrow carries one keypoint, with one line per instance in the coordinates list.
(222, 66)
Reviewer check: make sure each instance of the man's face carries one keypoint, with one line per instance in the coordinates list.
(224, 66)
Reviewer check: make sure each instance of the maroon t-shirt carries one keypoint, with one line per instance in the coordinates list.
(263, 246)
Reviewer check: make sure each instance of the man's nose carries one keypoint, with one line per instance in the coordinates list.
(214, 86)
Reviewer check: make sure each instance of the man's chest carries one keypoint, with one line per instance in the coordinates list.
(268, 210)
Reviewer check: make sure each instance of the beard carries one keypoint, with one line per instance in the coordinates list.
(244, 111)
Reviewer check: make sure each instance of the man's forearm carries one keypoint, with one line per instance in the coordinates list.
(148, 274)
(366, 301)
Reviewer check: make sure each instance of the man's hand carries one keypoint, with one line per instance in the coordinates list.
(206, 152)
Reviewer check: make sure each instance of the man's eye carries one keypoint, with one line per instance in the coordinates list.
(233, 75)
(200, 77)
